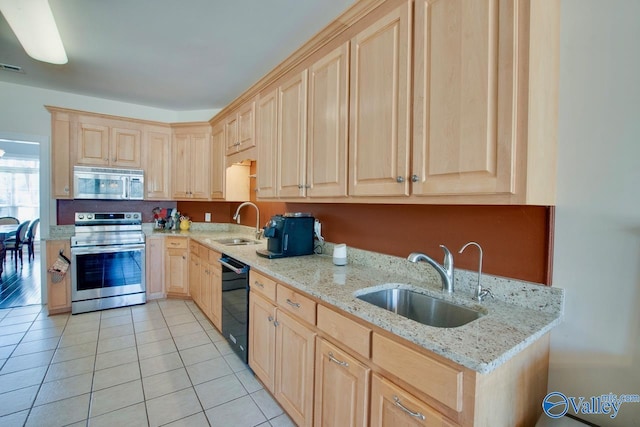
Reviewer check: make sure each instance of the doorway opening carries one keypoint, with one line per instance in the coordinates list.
(20, 204)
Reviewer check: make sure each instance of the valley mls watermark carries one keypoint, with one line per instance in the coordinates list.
(556, 404)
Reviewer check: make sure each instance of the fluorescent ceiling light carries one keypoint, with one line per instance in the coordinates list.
(32, 22)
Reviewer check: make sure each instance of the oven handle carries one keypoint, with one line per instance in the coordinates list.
(225, 262)
(90, 250)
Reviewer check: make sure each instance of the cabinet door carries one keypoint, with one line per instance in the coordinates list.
(125, 148)
(380, 94)
(180, 166)
(464, 103)
(341, 388)
(61, 168)
(176, 272)
(155, 271)
(391, 406)
(92, 144)
(231, 134)
(216, 295)
(295, 352)
(199, 172)
(247, 126)
(267, 140)
(327, 130)
(292, 137)
(59, 293)
(218, 166)
(262, 339)
(157, 165)
(196, 284)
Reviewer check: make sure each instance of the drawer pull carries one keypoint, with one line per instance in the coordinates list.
(418, 415)
(293, 304)
(339, 362)
(258, 284)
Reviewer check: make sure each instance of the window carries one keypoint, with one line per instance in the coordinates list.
(20, 194)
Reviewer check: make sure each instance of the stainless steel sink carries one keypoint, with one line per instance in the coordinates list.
(421, 308)
(237, 241)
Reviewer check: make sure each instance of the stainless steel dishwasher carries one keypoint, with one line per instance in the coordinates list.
(235, 305)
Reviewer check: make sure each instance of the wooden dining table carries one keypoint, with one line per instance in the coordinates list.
(6, 231)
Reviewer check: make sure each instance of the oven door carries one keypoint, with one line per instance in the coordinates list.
(107, 271)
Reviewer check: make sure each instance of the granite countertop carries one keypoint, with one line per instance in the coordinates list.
(482, 345)
(520, 314)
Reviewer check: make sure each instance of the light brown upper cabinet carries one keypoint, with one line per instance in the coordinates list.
(217, 162)
(103, 142)
(156, 159)
(292, 136)
(472, 105)
(190, 162)
(267, 139)
(240, 128)
(61, 167)
(327, 130)
(379, 133)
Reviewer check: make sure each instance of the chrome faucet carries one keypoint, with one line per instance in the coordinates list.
(445, 271)
(481, 292)
(236, 217)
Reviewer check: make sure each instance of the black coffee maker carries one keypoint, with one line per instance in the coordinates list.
(290, 234)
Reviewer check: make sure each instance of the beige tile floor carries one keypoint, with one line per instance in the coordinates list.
(157, 364)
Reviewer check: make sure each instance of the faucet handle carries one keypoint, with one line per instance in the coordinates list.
(448, 258)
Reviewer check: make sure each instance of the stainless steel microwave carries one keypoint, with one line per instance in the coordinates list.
(107, 183)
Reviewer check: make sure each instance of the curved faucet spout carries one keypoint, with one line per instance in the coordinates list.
(445, 271)
(236, 217)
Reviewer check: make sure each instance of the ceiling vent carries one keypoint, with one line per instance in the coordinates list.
(14, 68)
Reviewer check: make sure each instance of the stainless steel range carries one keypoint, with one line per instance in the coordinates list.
(107, 261)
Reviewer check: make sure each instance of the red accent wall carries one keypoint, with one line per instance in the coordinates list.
(517, 240)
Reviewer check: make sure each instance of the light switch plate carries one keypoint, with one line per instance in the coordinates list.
(207, 217)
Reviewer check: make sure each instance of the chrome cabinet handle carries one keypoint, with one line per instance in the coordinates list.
(339, 362)
(418, 415)
(400, 179)
(415, 178)
(270, 318)
(293, 304)
(276, 323)
(258, 284)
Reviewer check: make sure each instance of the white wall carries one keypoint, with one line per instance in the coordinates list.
(597, 244)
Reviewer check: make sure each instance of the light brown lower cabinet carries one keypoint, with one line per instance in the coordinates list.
(295, 354)
(341, 388)
(393, 406)
(205, 281)
(262, 339)
(176, 267)
(155, 267)
(58, 293)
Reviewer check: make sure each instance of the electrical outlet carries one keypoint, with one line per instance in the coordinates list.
(207, 217)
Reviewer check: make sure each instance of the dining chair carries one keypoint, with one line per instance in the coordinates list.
(14, 244)
(8, 220)
(31, 236)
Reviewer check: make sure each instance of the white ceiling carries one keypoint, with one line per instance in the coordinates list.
(176, 55)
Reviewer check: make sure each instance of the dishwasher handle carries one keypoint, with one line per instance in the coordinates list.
(242, 270)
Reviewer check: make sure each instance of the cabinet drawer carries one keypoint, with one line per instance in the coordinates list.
(262, 285)
(344, 330)
(439, 381)
(195, 248)
(297, 304)
(393, 406)
(176, 242)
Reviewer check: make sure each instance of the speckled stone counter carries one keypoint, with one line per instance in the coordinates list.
(520, 313)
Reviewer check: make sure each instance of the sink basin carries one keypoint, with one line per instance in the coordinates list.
(237, 241)
(421, 308)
